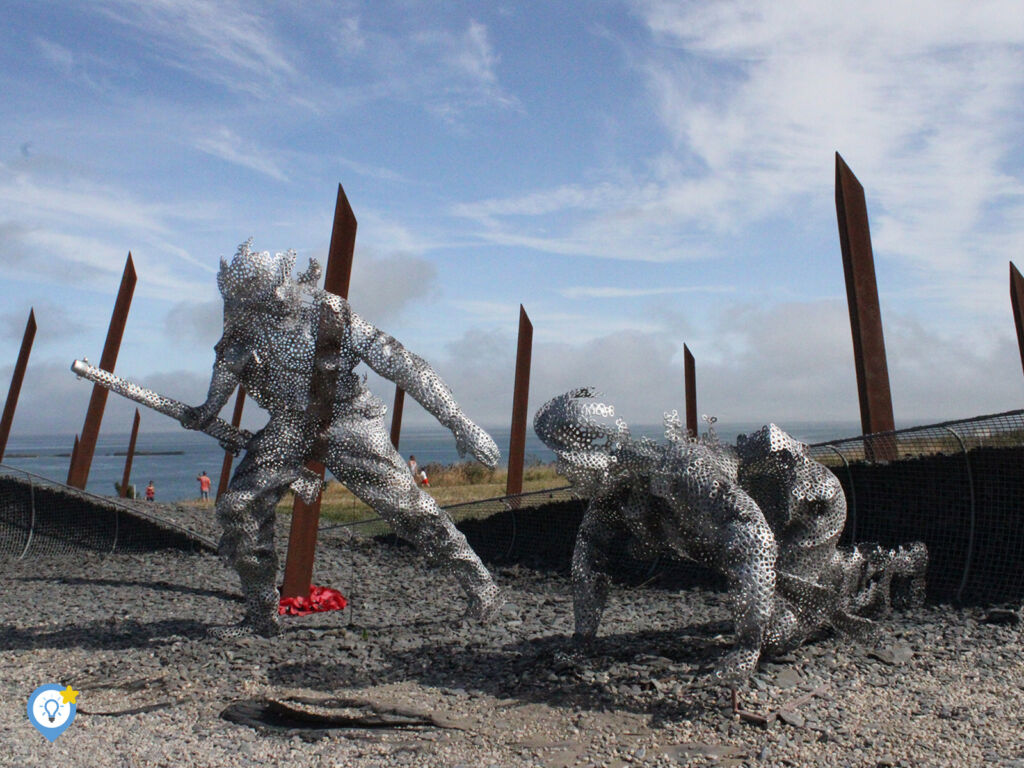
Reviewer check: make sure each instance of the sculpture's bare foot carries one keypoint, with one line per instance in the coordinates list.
(485, 608)
(246, 628)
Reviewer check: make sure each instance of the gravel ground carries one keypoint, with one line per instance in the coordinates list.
(944, 687)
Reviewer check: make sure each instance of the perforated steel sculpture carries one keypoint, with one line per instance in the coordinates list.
(294, 348)
(766, 516)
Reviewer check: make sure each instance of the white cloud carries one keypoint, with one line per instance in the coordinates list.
(615, 292)
(754, 98)
(223, 42)
(229, 146)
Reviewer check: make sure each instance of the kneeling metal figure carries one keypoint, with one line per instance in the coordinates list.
(294, 348)
(766, 516)
(817, 584)
(680, 498)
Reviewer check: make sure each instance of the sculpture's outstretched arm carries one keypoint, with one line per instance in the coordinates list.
(231, 358)
(386, 356)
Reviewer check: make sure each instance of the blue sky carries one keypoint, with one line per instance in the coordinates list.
(637, 174)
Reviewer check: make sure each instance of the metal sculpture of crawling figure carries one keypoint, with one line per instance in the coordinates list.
(767, 517)
(293, 347)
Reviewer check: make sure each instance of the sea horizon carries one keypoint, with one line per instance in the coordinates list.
(174, 459)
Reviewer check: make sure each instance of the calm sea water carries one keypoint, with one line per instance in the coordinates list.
(173, 460)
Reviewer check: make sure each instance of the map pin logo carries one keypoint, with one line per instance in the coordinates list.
(51, 709)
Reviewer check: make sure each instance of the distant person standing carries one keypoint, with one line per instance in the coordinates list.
(413, 466)
(204, 486)
(424, 480)
(150, 491)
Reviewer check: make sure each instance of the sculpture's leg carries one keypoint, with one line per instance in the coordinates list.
(246, 514)
(589, 584)
(750, 568)
(361, 456)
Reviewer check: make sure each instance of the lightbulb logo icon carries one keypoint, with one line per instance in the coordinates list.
(51, 709)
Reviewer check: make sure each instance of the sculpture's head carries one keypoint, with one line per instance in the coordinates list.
(570, 426)
(258, 276)
(770, 448)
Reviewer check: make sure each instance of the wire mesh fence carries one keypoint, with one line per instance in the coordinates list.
(40, 517)
(957, 486)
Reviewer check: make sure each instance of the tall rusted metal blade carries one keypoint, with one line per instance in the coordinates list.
(16, 379)
(396, 416)
(236, 421)
(74, 452)
(865, 313)
(298, 568)
(130, 456)
(520, 400)
(78, 475)
(1017, 302)
(690, 384)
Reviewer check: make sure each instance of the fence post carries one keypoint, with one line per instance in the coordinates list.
(970, 536)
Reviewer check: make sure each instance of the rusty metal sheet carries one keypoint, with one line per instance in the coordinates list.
(865, 313)
(130, 456)
(78, 474)
(298, 568)
(520, 400)
(16, 380)
(690, 383)
(229, 456)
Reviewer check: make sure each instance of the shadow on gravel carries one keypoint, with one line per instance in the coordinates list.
(634, 672)
(102, 635)
(159, 586)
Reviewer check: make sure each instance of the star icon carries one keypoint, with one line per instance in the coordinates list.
(69, 695)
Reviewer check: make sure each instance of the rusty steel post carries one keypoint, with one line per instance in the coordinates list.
(130, 456)
(16, 379)
(236, 421)
(74, 451)
(298, 568)
(396, 416)
(690, 383)
(865, 313)
(1017, 303)
(78, 474)
(520, 399)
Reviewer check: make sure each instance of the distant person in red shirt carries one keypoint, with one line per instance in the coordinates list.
(150, 491)
(204, 486)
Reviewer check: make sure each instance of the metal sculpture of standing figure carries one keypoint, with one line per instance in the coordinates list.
(294, 348)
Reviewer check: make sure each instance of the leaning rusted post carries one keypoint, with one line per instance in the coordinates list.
(1017, 302)
(236, 421)
(298, 568)
(123, 493)
(78, 475)
(520, 398)
(74, 452)
(690, 384)
(19, 375)
(865, 312)
(396, 416)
